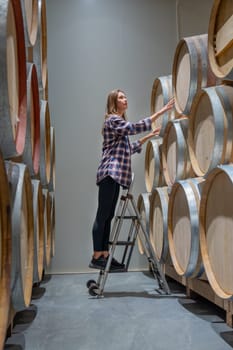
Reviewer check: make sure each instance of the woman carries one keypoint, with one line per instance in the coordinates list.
(115, 169)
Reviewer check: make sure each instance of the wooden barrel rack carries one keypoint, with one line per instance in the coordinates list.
(202, 288)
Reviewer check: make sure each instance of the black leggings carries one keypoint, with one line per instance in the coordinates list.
(107, 200)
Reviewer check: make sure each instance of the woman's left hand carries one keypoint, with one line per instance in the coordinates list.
(155, 132)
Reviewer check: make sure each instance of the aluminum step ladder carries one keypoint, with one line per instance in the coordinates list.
(127, 203)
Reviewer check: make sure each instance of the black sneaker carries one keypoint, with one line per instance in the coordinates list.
(99, 263)
(116, 264)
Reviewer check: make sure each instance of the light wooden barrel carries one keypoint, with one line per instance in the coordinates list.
(160, 95)
(31, 153)
(216, 229)
(13, 79)
(38, 211)
(47, 227)
(143, 205)
(45, 144)
(153, 164)
(175, 155)
(52, 179)
(158, 223)
(5, 252)
(22, 234)
(30, 19)
(183, 227)
(210, 133)
(191, 71)
(220, 37)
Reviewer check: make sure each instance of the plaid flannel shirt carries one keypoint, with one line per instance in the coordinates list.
(117, 149)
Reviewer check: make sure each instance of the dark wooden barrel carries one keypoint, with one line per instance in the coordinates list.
(30, 19)
(45, 144)
(216, 229)
(191, 71)
(210, 134)
(220, 38)
(13, 78)
(52, 179)
(153, 164)
(31, 153)
(5, 252)
(39, 51)
(183, 227)
(38, 216)
(47, 227)
(160, 95)
(158, 223)
(22, 234)
(143, 205)
(53, 223)
(175, 153)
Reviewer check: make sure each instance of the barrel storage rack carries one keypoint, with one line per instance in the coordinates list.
(27, 157)
(188, 203)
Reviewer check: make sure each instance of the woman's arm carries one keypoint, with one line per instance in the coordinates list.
(166, 108)
(123, 127)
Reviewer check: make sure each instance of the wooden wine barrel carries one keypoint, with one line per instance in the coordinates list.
(31, 153)
(22, 234)
(30, 19)
(191, 71)
(210, 134)
(183, 227)
(47, 227)
(158, 223)
(13, 78)
(153, 164)
(52, 179)
(45, 144)
(175, 155)
(39, 51)
(5, 252)
(143, 205)
(216, 229)
(53, 223)
(220, 38)
(38, 211)
(160, 95)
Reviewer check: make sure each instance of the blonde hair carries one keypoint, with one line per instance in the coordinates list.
(111, 107)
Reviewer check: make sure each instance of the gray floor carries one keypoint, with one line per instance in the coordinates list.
(131, 316)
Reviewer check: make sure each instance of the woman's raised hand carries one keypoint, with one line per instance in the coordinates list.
(165, 108)
(168, 106)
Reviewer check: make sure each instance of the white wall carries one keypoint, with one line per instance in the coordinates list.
(192, 17)
(94, 47)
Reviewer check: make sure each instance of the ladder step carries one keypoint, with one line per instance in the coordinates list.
(127, 217)
(124, 243)
(118, 270)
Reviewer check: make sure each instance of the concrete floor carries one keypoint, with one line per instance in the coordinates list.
(131, 316)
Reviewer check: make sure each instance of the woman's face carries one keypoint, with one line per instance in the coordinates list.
(122, 103)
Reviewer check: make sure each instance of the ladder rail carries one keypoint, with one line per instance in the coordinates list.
(118, 224)
(131, 238)
(150, 251)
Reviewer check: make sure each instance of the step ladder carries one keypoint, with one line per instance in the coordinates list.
(127, 203)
